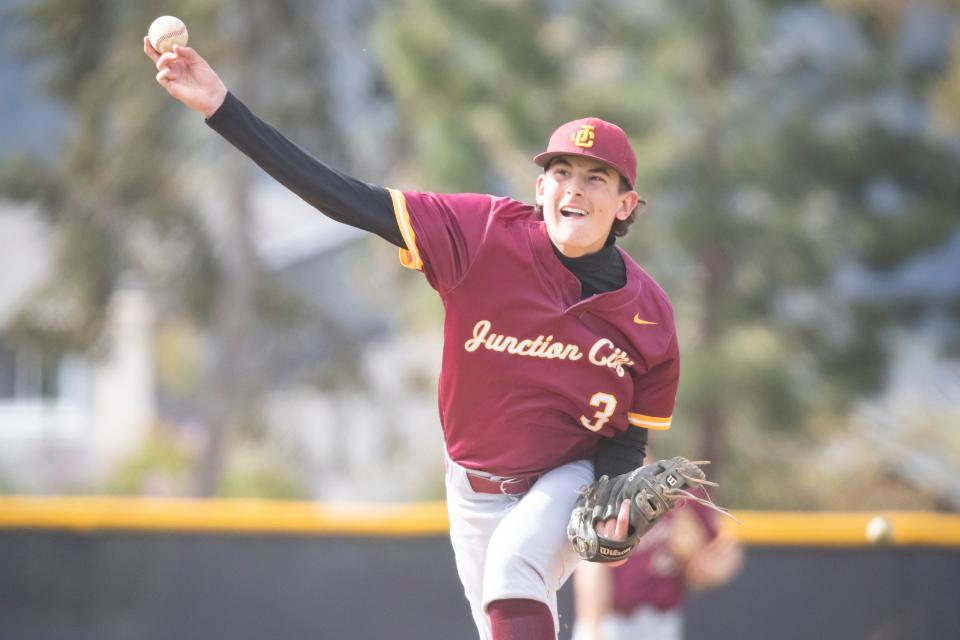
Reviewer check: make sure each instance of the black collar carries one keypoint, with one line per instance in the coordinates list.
(590, 261)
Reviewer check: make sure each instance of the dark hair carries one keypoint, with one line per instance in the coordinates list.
(620, 227)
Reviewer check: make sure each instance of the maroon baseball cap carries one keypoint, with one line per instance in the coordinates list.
(593, 138)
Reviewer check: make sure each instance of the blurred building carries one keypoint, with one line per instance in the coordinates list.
(54, 405)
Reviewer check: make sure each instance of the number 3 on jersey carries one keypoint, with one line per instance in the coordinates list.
(607, 405)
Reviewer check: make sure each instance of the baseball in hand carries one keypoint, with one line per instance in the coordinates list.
(167, 31)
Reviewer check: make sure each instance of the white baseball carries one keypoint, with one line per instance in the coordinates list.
(879, 530)
(167, 31)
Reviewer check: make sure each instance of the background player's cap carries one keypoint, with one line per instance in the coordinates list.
(593, 138)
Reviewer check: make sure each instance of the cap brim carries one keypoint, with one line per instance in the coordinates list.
(542, 159)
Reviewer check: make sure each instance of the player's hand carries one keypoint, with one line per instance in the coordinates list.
(687, 535)
(715, 564)
(188, 78)
(616, 528)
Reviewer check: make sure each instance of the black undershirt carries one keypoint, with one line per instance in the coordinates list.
(369, 207)
(598, 272)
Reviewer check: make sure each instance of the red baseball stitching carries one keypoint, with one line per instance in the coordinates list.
(169, 35)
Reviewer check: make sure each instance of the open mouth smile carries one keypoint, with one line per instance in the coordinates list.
(573, 212)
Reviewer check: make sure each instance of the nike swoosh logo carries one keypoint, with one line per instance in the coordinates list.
(637, 319)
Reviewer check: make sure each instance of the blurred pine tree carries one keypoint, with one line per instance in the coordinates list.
(125, 192)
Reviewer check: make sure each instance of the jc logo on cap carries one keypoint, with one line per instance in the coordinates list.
(584, 136)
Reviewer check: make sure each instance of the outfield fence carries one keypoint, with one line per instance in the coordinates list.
(112, 568)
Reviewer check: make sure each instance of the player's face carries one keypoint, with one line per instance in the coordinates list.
(581, 198)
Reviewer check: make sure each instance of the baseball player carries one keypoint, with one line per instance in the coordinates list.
(560, 352)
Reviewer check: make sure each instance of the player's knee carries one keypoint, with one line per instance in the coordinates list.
(503, 568)
(510, 572)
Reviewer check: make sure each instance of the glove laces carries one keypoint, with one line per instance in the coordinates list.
(701, 483)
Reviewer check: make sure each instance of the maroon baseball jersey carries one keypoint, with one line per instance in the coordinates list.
(531, 375)
(652, 576)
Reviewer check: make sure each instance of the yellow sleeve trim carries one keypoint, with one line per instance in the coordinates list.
(649, 422)
(409, 257)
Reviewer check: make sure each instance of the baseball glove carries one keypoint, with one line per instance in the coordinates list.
(652, 491)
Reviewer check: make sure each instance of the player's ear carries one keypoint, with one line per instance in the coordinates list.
(540, 197)
(630, 200)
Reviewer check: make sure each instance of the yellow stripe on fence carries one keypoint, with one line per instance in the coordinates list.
(239, 516)
(845, 528)
(429, 518)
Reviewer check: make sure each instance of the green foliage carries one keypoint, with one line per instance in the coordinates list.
(6, 486)
(252, 474)
(162, 466)
(946, 92)
(123, 194)
(117, 187)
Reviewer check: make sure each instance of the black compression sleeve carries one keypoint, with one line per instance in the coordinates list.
(337, 195)
(622, 453)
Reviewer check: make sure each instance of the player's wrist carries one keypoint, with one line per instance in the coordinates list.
(215, 102)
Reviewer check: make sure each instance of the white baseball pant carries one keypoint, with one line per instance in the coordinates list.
(514, 546)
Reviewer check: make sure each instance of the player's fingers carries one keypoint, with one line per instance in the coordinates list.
(187, 53)
(166, 60)
(165, 76)
(149, 50)
(606, 528)
(623, 521)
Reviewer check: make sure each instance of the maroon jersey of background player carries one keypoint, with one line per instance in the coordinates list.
(652, 576)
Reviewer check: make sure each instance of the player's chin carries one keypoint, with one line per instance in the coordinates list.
(577, 241)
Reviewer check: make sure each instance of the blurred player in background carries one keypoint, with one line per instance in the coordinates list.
(560, 352)
(643, 598)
